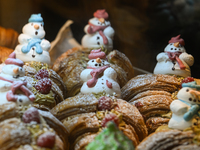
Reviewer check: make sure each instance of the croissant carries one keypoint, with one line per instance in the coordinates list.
(4, 53)
(71, 63)
(8, 38)
(82, 117)
(17, 131)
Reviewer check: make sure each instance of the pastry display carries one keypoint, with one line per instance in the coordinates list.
(98, 32)
(152, 95)
(111, 138)
(32, 45)
(174, 60)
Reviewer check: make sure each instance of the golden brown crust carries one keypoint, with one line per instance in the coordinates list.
(166, 140)
(8, 110)
(153, 105)
(13, 134)
(8, 37)
(154, 122)
(4, 53)
(80, 124)
(148, 93)
(146, 82)
(120, 59)
(132, 116)
(81, 103)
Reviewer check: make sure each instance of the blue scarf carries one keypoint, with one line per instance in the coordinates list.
(31, 43)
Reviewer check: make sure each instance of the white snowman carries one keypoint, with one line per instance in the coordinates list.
(13, 87)
(98, 32)
(185, 107)
(99, 77)
(32, 45)
(174, 60)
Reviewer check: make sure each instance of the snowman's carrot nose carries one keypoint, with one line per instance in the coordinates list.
(15, 70)
(36, 26)
(98, 60)
(195, 93)
(102, 20)
(176, 44)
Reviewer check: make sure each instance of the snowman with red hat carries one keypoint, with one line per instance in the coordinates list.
(13, 85)
(174, 60)
(98, 32)
(99, 77)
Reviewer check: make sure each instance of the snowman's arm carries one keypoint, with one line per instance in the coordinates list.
(23, 38)
(187, 58)
(177, 107)
(85, 75)
(192, 111)
(86, 29)
(45, 45)
(161, 57)
(109, 31)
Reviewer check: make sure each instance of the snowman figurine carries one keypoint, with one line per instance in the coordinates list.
(13, 87)
(32, 45)
(174, 60)
(98, 32)
(185, 107)
(99, 77)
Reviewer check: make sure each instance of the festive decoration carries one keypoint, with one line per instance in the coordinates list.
(174, 59)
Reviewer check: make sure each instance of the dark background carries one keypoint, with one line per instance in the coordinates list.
(142, 27)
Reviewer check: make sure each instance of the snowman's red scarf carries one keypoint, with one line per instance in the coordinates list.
(174, 56)
(95, 73)
(15, 86)
(93, 28)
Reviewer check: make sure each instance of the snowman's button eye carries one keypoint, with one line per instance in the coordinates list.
(98, 22)
(170, 44)
(187, 90)
(98, 43)
(20, 100)
(190, 99)
(41, 25)
(194, 100)
(175, 49)
(171, 48)
(96, 64)
(99, 64)
(92, 60)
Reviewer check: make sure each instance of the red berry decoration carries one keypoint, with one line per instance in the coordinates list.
(31, 114)
(46, 140)
(187, 79)
(110, 117)
(41, 74)
(105, 103)
(44, 85)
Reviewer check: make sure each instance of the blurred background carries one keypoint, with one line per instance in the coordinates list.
(142, 27)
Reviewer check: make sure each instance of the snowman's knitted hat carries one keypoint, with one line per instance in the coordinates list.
(36, 18)
(101, 13)
(13, 60)
(94, 54)
(191, 85)
(177, 39)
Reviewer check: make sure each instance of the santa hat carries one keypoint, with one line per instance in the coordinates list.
(13, 60)
(177, 39)
(36, 18)
(94, 54)
(101, 13)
